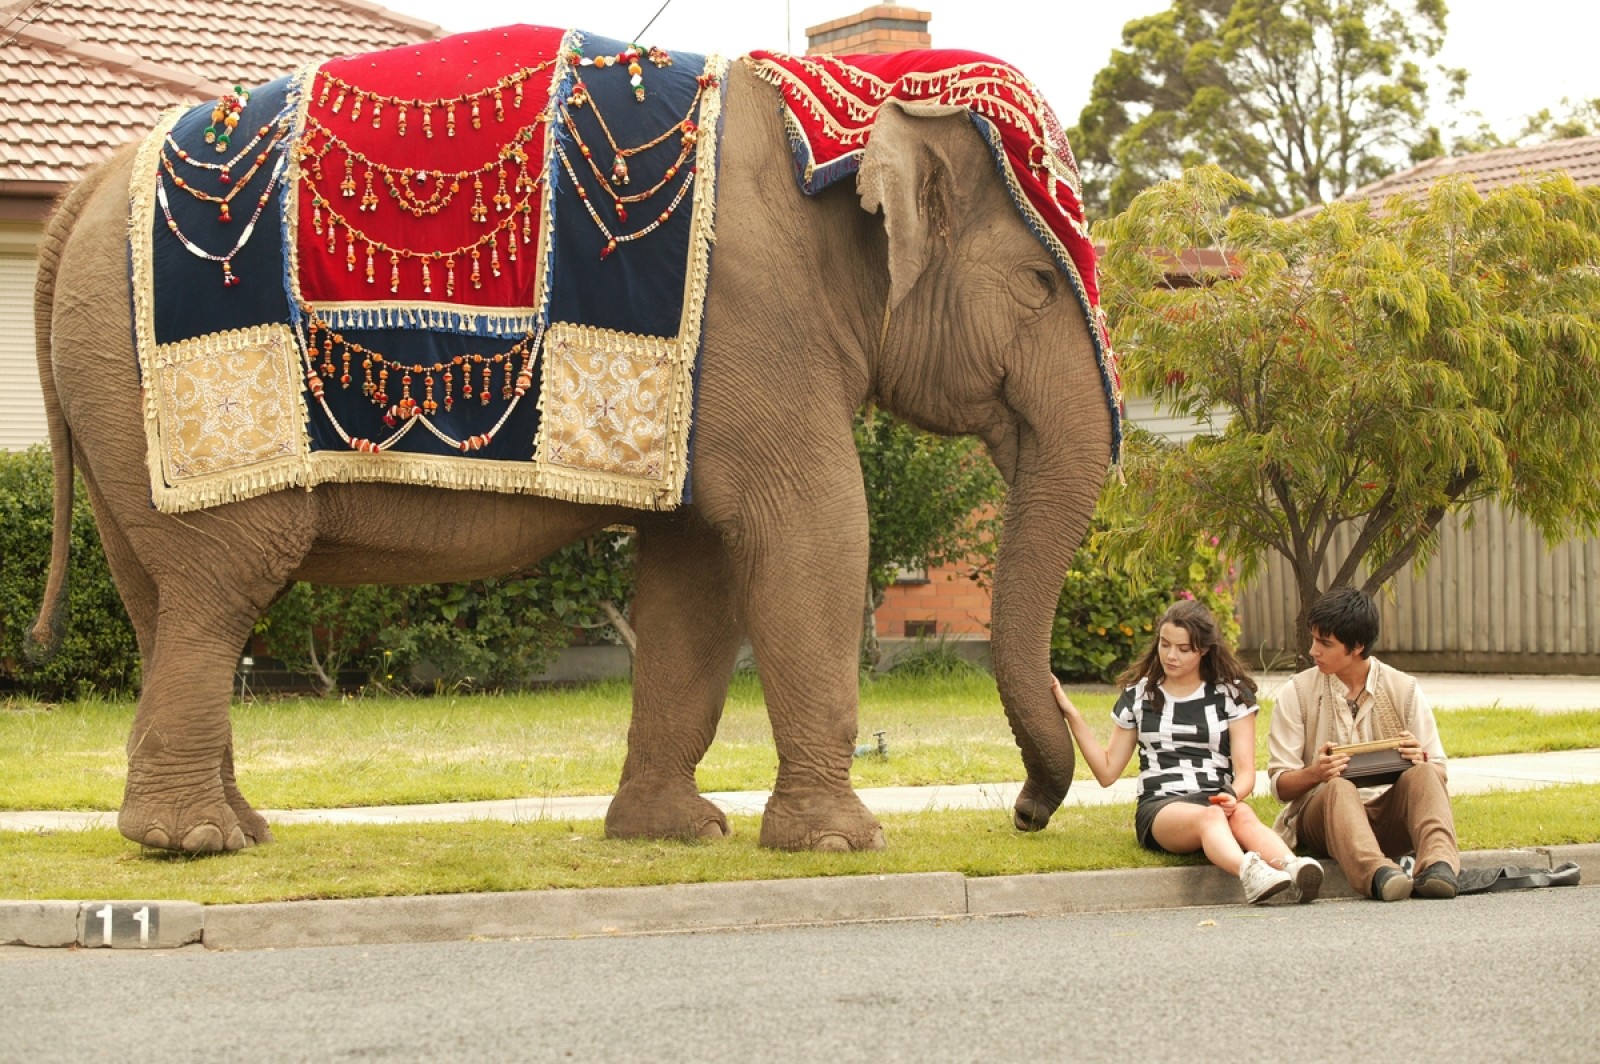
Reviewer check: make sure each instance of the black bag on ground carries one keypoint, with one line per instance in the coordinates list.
(1510, 877)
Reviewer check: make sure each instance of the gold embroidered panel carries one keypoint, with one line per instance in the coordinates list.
(227, 403)
(615, 412)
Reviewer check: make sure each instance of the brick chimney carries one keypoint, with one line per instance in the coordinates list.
(875, 31)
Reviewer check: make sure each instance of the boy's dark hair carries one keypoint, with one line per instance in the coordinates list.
(1347, 614)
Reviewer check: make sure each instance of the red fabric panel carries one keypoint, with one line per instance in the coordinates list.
(354, 116)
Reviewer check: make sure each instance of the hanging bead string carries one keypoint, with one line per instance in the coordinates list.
(224, 214)
(629, 55)
(399, 180)
(619, 202)
(615, 240)
(619, 164)
(330, 224)
(360, 98)
(228, 277)
(323, 341)
(225, 117)
(277, 126)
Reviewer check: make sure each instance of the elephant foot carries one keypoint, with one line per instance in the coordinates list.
(207, 836)
(253, 824)
(205, 824)
(256, 830)
(831, 823)
(1034, 807)
(663, 810)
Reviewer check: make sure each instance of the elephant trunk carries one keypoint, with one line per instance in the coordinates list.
(1047, 512)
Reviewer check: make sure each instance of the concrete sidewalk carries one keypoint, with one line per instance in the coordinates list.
(1468, 775)
(1449, 690)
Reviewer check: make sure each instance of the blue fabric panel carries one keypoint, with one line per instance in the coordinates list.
(362, 418)
(638, 288)
(190, 298)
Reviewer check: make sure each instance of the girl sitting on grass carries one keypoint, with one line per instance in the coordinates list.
(1191, 707)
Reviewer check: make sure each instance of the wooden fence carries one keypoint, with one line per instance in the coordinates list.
(1493, 599)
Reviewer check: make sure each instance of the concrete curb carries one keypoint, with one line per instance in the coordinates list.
(654, 910)
(579, 913)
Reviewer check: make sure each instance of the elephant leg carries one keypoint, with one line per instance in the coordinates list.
(175, 798)
(181, 792)
(253, 824)
(139, 596)
(806, 584)
(689, 635)
(134, 584)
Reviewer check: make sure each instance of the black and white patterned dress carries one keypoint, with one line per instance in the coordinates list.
(1183, 745)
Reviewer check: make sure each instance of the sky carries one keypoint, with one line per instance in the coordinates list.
(1522, 56)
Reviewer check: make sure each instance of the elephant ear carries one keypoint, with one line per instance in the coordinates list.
(909, 172)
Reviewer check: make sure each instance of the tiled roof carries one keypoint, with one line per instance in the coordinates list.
(1578, 156)
(80, 77)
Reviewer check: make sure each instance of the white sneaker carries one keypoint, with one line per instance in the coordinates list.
(1306, 874)
(1261, 881)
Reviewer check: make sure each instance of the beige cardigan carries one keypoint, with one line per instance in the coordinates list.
(1310, 711)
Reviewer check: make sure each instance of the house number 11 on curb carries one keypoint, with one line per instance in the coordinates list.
(123, 925)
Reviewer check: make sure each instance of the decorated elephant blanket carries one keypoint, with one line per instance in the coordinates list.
(478, 262)
(832, 102)
(481, 262)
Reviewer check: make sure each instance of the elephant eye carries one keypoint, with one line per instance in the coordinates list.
(1037, 286)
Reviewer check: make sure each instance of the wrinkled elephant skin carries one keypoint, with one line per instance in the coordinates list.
(919, 289)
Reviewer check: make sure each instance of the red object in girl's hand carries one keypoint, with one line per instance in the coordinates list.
(1218, 799)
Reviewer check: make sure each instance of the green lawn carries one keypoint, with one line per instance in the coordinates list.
(301, 753)
(305, 753)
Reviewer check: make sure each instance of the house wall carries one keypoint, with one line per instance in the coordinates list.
(21, 403)
(947, 603)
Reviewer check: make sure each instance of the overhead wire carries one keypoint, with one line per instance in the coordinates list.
(637, 37)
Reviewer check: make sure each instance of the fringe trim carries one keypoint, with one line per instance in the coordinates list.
(499, 323)
(141, 240)
(289, 210)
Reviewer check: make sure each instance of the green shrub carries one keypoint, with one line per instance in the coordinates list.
(493, 633)
(319, 631)
(1105, 618)
(98, 652)
(935, 658)
(498, 633)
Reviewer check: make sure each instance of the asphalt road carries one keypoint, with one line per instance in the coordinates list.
(1486, 978)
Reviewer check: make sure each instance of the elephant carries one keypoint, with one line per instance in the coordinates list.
(917, 287)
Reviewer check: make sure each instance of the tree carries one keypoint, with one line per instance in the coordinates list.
(1307, 99)
(1371, 369)
(931, 501)
(1570, 118)
(1580, 118)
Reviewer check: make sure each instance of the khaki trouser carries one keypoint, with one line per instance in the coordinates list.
(1413, 815)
